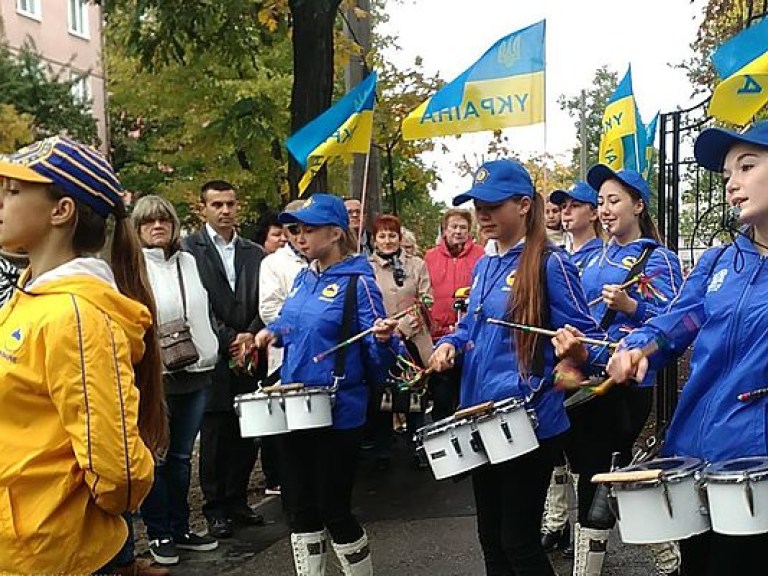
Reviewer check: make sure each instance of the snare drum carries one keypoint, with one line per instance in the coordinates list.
(738, 495)
(260, 414)
(669, 508)
(309, 407)
(507, 431)
(451, 446)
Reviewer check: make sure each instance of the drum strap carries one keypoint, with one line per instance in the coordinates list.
(347, 322)
(637, 268)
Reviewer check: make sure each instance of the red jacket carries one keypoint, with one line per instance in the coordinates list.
(447, 274)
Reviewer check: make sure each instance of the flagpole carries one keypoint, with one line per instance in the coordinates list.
(363, 196)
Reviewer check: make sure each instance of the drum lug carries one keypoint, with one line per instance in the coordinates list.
(750, 497)
(308, 403)
(667, 498)
(533, 418)
(507, 432)
(237, 409)
(613, 503)
(456, 446)
(269, 406)
(701, 489)
(476, 441)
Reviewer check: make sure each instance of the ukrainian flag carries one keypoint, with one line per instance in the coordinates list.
(742, 63)
(343, 129)
(505, 87)
(622, 144)
(650, 140)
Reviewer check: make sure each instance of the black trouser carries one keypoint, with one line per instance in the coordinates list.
(318, 472)
(712, 554)
(510, 503)
(602, 426)
(226, 463)
(270, 461)
(444, 388)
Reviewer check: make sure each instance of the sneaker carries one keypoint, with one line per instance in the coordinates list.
(272, 491)
(196, 542)
(559, 539)
(164, 551)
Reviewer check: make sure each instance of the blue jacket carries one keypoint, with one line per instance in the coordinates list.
(586, 252)
(310, 323)
(611, 266)
(490, 370)
(723, 310)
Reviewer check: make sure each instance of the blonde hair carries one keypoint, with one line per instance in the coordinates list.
(348, 242)
(149, 208)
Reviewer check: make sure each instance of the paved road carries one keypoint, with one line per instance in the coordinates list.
(418, 527)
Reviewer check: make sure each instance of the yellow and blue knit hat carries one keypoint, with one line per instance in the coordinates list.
(79, 170)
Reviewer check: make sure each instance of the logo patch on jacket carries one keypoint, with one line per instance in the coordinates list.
(510, 281)
(717, 281)
(628, 262)
(331, 290)
(11, 343)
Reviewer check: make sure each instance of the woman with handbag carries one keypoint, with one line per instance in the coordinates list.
(189, 350)
(335, 296)
(404, 281)
(82, 400)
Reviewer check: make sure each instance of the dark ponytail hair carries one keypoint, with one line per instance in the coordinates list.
(648, 227)
(527, 294)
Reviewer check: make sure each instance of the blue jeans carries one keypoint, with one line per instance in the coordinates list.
(166, 509)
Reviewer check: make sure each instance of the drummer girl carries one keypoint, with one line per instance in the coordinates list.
(578, 207)
(528, 281)
(722, 310)
(632, 279)
(319, 465)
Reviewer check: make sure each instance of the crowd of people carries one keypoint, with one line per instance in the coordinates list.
(122, 361)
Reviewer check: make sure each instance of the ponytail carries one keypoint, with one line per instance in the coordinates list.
(526, 297)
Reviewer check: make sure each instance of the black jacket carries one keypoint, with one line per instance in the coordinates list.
(233, 312)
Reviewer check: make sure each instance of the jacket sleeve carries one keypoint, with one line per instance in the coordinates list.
(378, 357)
(271, 292)
(675, 330)
(665, 279)
(257, 323)
(568, 305)
(91, 382)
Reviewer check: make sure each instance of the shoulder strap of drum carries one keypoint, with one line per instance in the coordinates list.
(347, 323)
(639, 266)
(537, 367)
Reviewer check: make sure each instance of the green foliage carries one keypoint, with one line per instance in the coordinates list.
(16, 129)
(34, 88)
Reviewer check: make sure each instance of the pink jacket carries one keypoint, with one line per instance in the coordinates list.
(448, 274)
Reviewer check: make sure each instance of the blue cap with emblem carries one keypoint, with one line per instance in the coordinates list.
(319, 210)
(497, 181)
(581, 192)
(599, 173)
(79, 170)
(713, 144)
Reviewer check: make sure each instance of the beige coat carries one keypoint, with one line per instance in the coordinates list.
(396, 298)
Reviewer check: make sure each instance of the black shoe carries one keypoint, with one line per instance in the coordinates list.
(164, 551)
(219, 527)
(196, 542)
(557, 540)
(245, 515)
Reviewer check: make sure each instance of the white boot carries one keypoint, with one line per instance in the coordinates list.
(589, 555)
(666, 557)
(309, 553)
(556, 505)
(355, 557)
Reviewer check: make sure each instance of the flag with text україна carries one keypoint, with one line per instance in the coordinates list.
(505, 87)
(343, 129)
(742, 64)
(622, 144)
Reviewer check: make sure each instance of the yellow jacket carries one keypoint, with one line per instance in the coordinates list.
(71, 460)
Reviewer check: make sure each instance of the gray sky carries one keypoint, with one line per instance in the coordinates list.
(582, 35)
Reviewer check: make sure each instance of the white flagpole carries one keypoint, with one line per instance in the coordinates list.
(363, 196)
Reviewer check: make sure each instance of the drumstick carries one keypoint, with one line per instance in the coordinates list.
(626, 284)
(282, 388)
(628, 476)
(361, 335)
(752, 395)
(607, 384)
(545, 332)
(473, 410)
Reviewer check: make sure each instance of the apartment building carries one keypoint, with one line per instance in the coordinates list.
(67, 34)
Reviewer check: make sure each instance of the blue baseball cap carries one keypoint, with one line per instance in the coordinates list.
(581, 192)
(497, 181)
(319, 210)
(713, 144)
(599, 173)
(79, 170)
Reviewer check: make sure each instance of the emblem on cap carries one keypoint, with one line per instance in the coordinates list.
(307, 204)
(481, 176)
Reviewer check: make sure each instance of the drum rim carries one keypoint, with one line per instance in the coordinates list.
(691, 465)
(712, 472)
(503, 407)
(441, 426)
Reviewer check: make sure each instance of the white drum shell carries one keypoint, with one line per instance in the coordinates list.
(729, 503)
(309, 408)
(644, 516)
(507, 433)
(260, 414)
(452, 449)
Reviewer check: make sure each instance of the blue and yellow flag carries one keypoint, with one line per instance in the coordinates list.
(505, 87)
(343, 129)
(650, 140)
(622, 144)
(742, 63)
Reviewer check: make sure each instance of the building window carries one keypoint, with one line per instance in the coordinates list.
(78, 18)
(30, 8)
(81, 88)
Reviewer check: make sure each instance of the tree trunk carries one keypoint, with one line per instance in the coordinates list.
(313, 22)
